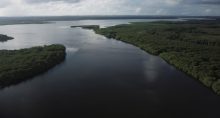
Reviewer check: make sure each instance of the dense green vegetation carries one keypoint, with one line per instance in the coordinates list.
(191, 46)
(4, 38)
(18, 65)
(95, 27)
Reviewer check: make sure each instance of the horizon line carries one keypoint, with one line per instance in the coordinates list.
(116, 16)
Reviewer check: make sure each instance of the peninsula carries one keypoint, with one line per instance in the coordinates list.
(4, 38)
(19, 65)
(94, 27)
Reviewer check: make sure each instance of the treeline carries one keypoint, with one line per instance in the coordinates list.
(94, 27)
(19, 65)
(4, 38)
(193, 47)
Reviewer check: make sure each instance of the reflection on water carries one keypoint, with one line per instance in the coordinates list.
(152, 68)
(72, 50)
(100, 77)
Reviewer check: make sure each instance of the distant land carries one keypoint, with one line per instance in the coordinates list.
(94, 27)
(4, 38)
(48, 19)
(191, 46)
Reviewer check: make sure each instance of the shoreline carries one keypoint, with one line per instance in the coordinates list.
(173, 50)
(20, 65)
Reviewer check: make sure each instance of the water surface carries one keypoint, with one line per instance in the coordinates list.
(101, 77)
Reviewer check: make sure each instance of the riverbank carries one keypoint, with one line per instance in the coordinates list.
(19, 65)
(191, 46)
(4, 38)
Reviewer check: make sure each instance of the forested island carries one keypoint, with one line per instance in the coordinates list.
(191, 46)
(94, 27)
(19, 65)
(4, 38)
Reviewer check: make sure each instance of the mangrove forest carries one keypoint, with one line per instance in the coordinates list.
(191, 46)
(19, 65)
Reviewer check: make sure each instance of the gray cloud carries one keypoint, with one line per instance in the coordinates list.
(197, 2)
(4, 3)
(45, 1)
(108, 7)
(208, 2)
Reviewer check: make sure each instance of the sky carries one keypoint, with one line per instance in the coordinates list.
(109, 7)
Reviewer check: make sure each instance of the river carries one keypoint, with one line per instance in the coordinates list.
(100, 77)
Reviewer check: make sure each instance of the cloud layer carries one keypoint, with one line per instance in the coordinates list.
(45, 1)
(108, 7)
(209, 2)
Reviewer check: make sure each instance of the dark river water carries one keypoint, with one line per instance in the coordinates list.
(101, 78)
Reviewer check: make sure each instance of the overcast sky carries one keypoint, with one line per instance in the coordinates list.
(108, 7)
